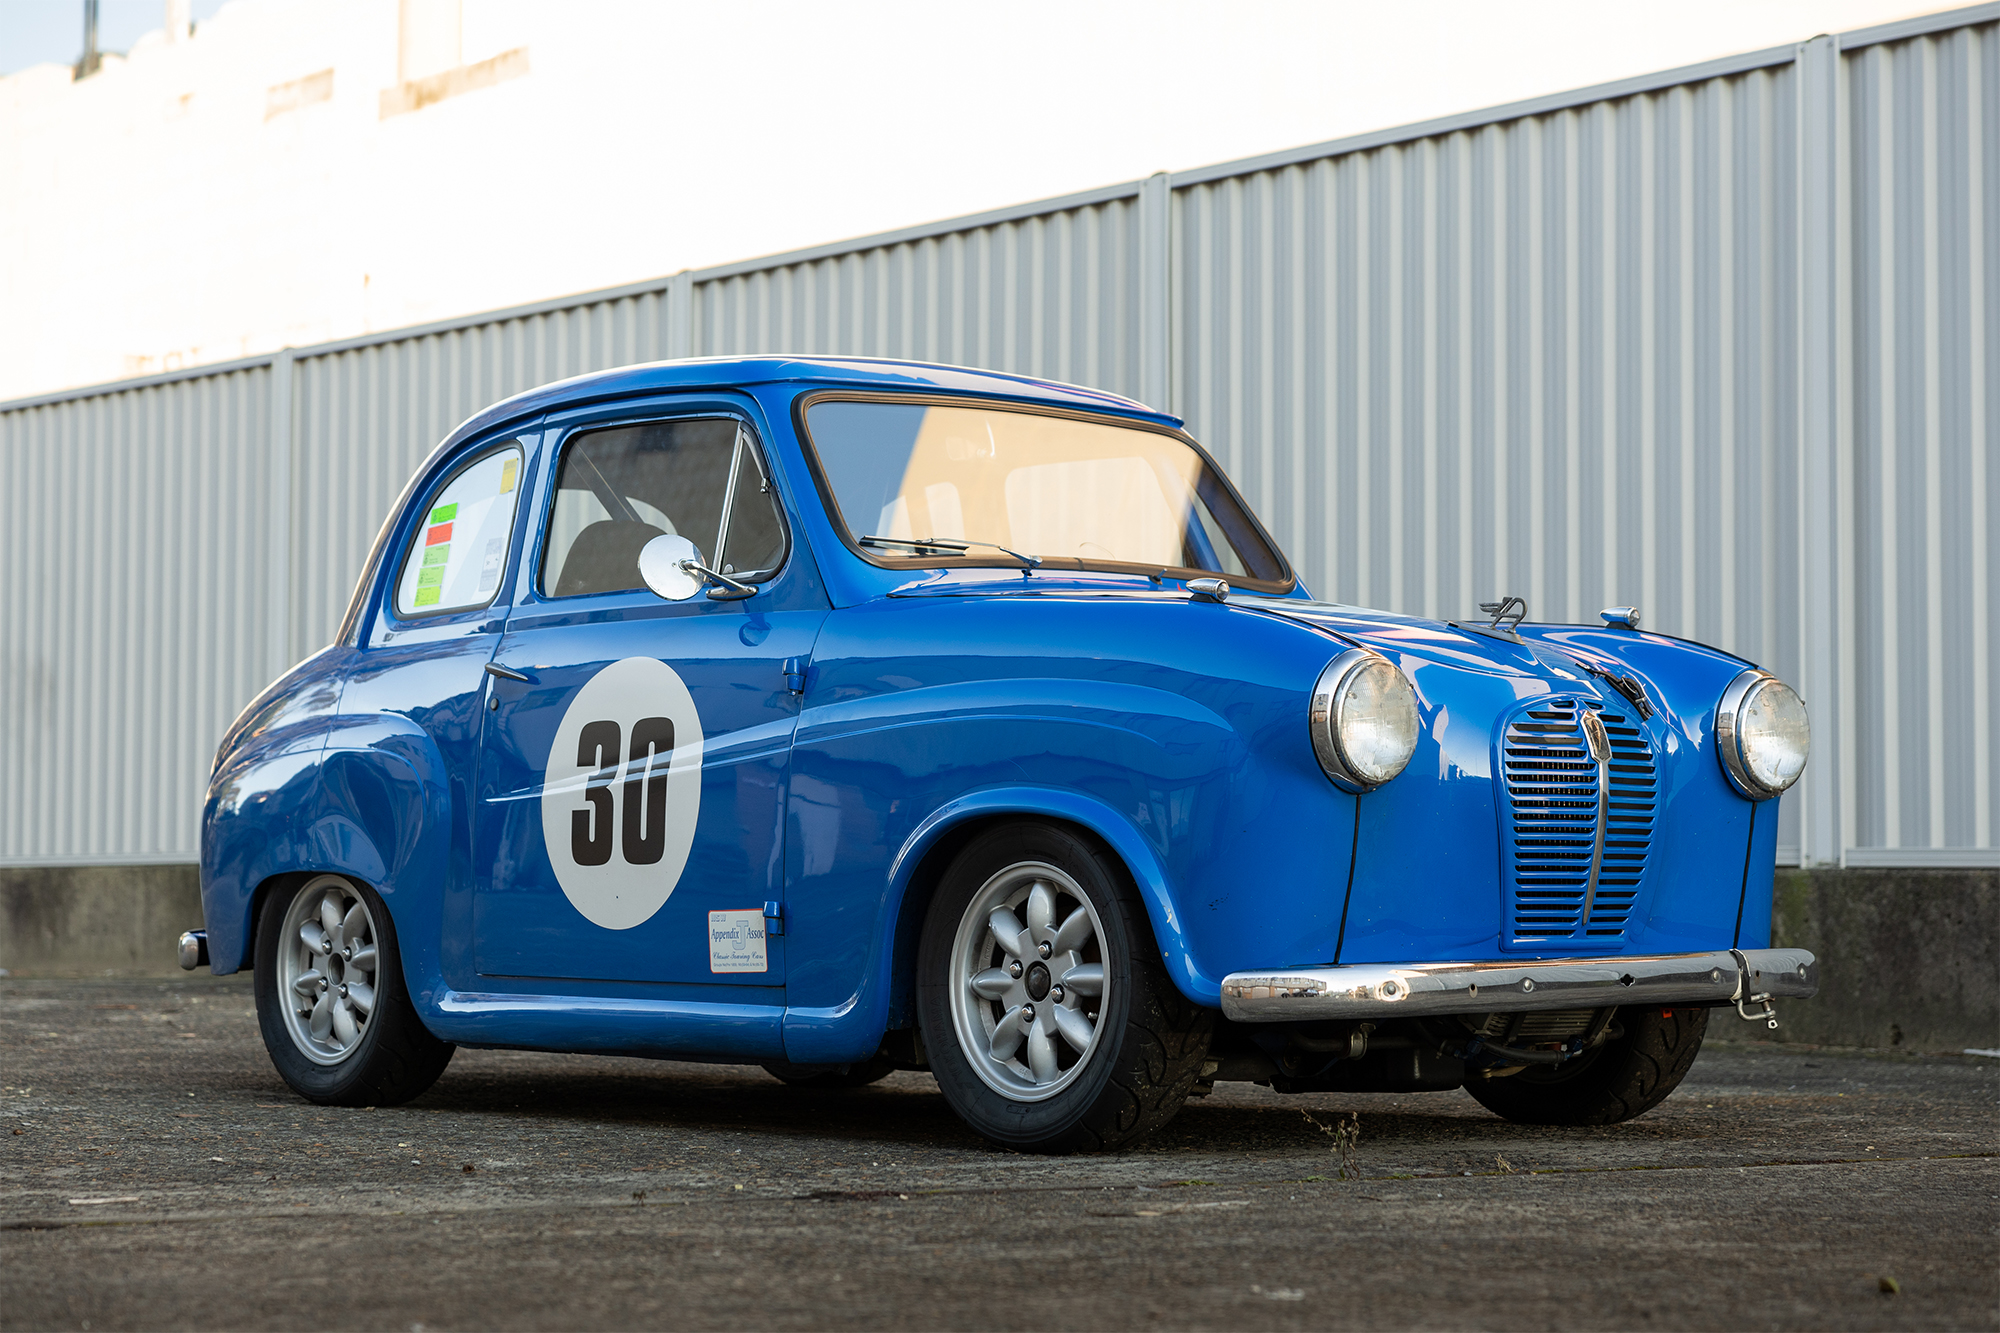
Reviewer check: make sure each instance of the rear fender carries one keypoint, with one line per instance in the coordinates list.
(384, 816)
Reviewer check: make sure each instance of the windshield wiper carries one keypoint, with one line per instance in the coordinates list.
(949, 544)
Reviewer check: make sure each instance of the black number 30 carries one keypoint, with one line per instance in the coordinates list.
(645, 830)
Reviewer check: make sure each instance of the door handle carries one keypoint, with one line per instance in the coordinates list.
(495, 669)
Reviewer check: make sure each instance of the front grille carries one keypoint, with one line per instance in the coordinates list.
(1549, 818)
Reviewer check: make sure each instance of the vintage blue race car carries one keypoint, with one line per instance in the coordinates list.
(842, 716)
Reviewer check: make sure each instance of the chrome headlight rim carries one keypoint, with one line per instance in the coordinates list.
(1330, 695)
(1729, 742)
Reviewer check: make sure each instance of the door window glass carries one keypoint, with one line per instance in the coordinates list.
(459, 552)
(618, 489)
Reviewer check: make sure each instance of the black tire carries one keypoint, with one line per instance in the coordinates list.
(396, 1058)
(1623, 1078)
(827, 1077)
(1149, 1040)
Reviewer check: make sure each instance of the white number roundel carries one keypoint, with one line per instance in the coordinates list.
(622, 792)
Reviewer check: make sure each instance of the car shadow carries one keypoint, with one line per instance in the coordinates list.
(907, 1109)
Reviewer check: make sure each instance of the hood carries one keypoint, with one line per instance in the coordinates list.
(1649, 671)
(1442, 641)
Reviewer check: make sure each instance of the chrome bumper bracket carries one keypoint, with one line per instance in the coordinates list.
(1391, 990)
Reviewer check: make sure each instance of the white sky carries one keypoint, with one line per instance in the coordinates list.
(655, 135)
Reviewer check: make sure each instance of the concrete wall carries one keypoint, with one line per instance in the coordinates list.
(83, 920)
(1907, 956)
(1909, 959)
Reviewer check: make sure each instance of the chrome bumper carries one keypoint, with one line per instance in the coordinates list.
(1391, 990)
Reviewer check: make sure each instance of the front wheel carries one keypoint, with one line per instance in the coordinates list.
(335, 1015)
(1050, 1023)
(1625, 1077)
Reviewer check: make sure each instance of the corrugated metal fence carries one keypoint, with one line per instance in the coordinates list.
(1715, 342)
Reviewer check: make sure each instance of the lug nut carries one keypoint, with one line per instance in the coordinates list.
(1014, 968)
(1056, 994)
(1045, 949)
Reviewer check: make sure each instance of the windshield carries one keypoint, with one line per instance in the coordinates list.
(1070, 493)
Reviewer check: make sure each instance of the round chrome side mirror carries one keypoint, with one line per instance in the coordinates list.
(663, 564)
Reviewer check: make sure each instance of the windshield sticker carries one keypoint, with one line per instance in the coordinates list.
(736, 941)
(622, 793)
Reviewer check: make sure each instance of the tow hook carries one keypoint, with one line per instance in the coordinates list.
(1767, 1013)
(1744, 973)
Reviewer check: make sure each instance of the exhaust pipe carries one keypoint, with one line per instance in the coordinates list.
(194, 949)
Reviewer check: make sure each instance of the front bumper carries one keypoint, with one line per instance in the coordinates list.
(1411, 990)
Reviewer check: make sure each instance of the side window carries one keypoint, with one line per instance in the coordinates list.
(458, 554)
(618, 489)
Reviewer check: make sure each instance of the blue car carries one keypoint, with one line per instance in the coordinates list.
(842, 716)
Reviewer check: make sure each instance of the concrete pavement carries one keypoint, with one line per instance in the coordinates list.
(158, 1175)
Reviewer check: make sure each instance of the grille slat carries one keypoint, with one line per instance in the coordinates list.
(1549, 824)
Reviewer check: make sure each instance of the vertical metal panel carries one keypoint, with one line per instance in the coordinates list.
(1054, 295)
(1553, 356)
(1923, 270)
(1636, 345)
(132, 619)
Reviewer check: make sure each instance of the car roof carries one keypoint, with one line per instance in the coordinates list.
(713, 372)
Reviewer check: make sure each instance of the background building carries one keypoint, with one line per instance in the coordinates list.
(1715, 342)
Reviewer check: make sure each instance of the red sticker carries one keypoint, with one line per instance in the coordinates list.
(440, 533)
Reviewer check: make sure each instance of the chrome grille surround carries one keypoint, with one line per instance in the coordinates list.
(1577, 811)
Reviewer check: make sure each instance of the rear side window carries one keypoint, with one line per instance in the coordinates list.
(456, 558)
(618, 489)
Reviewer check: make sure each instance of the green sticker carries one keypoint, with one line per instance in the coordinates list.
(444, 513)
(428, 596)
(437, 555)
(431, 577)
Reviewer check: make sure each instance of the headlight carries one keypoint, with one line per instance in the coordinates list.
(1762, 734)
(1363, 720)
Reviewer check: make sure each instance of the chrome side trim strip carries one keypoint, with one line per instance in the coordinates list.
(1392, 990)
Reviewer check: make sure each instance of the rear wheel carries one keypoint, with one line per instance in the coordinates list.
(1625, 1077)
(335, 1016)
(1050, 1023)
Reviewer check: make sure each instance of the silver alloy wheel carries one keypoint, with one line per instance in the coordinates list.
(1028, 981)
(326, 969)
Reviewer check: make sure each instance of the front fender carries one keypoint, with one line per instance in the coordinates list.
(851, 1030)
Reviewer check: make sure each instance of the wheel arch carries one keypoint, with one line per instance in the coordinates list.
(931, 847)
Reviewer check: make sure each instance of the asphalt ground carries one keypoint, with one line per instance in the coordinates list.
(158, 1175)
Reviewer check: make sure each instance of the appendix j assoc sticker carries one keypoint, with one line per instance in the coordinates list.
(622, 792)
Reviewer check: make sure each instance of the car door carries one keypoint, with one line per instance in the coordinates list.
(636, 750)
(415, 683)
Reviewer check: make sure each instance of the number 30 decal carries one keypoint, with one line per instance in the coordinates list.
(623, 792)
(645, 793)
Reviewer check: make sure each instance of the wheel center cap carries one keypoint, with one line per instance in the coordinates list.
(1038, 982)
